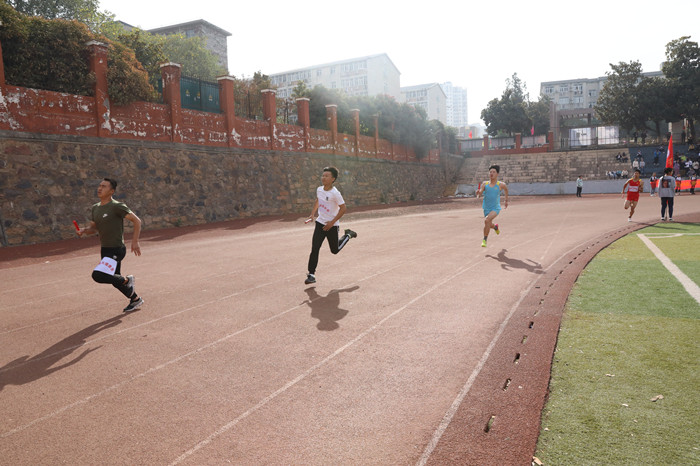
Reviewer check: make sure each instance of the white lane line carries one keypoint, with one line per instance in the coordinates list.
(193, 352)
(447, 419)
(690, 286)
(223, 429)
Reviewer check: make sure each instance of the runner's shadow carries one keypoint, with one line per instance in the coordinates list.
(327, 308)
(25, 369)
(508, 263)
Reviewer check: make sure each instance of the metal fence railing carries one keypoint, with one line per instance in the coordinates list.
(249, 105)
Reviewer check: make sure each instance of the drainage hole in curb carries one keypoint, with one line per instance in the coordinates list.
(531, 324)
(524, 339)
(505, 385)
(517, 358)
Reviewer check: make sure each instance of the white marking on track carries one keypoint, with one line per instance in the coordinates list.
(690, 286)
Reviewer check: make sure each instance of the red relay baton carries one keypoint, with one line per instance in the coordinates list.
(77, 228)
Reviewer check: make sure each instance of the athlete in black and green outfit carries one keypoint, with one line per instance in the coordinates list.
(108, 221)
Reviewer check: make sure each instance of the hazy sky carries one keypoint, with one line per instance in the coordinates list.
(474, 45)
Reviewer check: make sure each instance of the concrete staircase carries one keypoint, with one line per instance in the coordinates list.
(546, 167)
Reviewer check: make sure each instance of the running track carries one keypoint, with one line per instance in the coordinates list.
(416, 346)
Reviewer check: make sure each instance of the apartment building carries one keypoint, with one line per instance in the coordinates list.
(456, 107)
(430, 97)
(363, 76)
(578, 93)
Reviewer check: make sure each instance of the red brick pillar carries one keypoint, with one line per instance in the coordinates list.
(486, 142)
(98, 66)
(332, 119)
(170, 72)
(2, 73)
(228, 107)
(304, 119)
(518, 140)
(375, 118)
(356, 121)
(270, 112)
(550, 140)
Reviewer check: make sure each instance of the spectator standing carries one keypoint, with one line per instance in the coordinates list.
(656, 157)
(579, 186)
(642, 165)
(667, 186)
(693, 180)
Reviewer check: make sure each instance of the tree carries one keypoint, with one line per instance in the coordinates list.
(84, 11)
(682, 69)
(538, 112)
(657, 101)
(191, 52)
(508, 115)
(618, 102)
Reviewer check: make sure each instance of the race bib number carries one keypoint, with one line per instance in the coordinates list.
(107, 265)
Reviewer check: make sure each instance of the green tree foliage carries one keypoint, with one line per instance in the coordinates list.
(682, 69)
(148, 50)
(154, 49)
(657, 101)
(514, 113)
(618, 102)
(53, 55)
(191, 52)
(538, 112)
(399, 123)
(84, 11)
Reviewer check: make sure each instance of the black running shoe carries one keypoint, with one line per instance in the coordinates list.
(350, 233)
(133, 305)
(310, 278)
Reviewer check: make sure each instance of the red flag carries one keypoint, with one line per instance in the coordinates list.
(532, 130)
(470, 134)
(669, 153)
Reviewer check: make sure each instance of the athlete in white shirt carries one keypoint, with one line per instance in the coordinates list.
(330, 207)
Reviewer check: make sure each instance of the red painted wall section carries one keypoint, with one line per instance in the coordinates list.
(141, 120)
(34, 110)
(289, 137)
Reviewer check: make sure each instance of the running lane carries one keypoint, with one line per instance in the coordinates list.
(233, 359)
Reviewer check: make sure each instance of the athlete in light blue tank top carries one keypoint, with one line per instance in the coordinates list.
(491, 191)
(492, 197)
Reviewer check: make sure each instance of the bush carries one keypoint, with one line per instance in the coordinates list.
(53, 55)
(45, 54)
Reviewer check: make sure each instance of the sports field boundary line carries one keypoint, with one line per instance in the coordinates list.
(690, 286)
(588, 249)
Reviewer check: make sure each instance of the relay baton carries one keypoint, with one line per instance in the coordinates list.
(77, 228)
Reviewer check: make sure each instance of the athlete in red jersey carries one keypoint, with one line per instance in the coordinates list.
(634, 186)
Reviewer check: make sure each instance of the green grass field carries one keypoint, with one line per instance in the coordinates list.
(630, 332)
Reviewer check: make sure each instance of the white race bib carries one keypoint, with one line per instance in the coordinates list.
(107, 265)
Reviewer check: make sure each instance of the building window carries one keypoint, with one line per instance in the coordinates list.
(564, 88)
(549, 90)
(319, 72)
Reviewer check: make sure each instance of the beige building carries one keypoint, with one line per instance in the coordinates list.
(430, 97)
(370, 75)
(578, 93)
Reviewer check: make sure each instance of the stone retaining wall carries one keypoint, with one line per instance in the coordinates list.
(48, 181)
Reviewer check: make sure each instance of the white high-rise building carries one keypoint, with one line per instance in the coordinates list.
(370, 75)
(456, 106)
